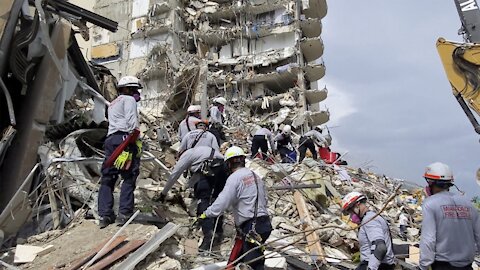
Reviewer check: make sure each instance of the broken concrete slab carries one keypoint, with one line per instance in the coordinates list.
(152, 244)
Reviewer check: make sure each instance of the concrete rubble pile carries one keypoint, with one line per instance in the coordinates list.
(51, 149)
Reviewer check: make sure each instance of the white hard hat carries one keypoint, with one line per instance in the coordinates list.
(129, 81)
(194, 108)
(350, 199)
(438, 172)
(220, 100)
(287, 129)
(234, 151)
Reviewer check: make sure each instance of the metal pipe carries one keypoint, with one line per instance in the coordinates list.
(468, 112)
(307, 186)
(8, 31)
(11, 111)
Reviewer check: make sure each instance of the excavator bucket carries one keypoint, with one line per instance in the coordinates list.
(461, 62)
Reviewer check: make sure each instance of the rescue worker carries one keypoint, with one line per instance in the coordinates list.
(376, 250)
(308, 141)
(188, 124)
(199, 136)
(245, 193)
(206, 186)
(450, 235)
(122, 121)
(403, 225)
(216, 118)
(260, 140)
(284, 141)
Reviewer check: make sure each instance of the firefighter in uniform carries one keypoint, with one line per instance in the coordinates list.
(308, 140)
(199, 136)
(376, 249)
(122, 121)
(262, 137)
(206, 186)
(284, 141)
(216, 118)
(188, 124)
(450, 227)
(245, 193)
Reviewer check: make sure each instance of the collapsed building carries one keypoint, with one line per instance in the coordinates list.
(263, 56)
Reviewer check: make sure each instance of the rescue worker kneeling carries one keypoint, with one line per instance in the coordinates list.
(208, 179)
(376, 250)
(245, 193)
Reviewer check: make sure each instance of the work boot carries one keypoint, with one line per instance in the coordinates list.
(105, 221)
(205, 246)
(122, 219)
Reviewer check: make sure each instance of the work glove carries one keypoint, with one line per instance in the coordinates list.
(203, 216)
(139, 145)
(122, 160)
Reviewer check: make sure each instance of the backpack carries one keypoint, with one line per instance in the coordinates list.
(208, 166)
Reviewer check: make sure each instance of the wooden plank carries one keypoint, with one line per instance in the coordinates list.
(81, 261)
(314, 246)
(149, 247)
(117, 254)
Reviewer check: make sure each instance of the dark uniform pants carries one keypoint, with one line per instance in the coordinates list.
(383, 266)
(263, 227)
(110, 176)
(306, 143)
(259, 142)
(437, 265)
(206, 190)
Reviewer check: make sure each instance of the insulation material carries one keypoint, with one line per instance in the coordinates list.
(105, 51)
(138, 24)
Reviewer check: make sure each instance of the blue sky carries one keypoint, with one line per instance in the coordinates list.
(388, 93)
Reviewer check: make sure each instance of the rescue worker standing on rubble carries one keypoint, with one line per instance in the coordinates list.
(216, 119)
(208, 179)
(308, 141)
(260, 140)
(376, 250)
(284, 141)
(122, 121)
(450, 227)
(199, 136)
(188, 124)
(245, 193)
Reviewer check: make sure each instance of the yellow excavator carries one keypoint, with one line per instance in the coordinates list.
(461, 61)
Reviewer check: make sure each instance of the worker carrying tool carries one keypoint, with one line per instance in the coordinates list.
(208, 179)
(216, 119)
(199, 137)
(308, 141)
(376, 249)
(262, 137)
(450, 235)
(122, 141)
(284, 145)
(188, 124)
(245, 193)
